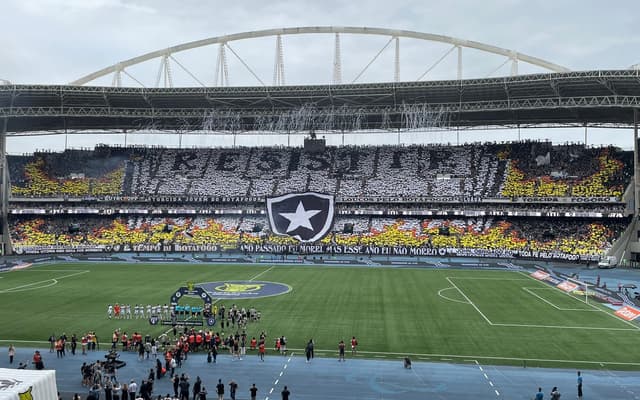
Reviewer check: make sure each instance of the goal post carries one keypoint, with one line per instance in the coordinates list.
(584, 285)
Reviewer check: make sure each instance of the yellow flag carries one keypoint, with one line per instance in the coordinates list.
(26, 395)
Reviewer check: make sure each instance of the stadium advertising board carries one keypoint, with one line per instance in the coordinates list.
(572, 200)
(376, 209)
(567, 286)
(628, 313)
(540, 275)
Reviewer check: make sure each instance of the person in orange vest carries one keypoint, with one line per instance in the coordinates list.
(185, 350)
(89, 340)
(261, 351)
(124, 339)
(37, 360)
(354, 344)
(59, 345)
(198, 340)
(253, 343)
(114, 339)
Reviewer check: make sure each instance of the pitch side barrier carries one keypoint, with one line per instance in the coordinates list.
(304, 250)
(570, 284)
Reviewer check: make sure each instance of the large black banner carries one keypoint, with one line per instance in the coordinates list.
(317, 249)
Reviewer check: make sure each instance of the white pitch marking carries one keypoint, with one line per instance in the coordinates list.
(263, 272)
(449, 298)
(541, 326)
(596, 328)
(528, 290)
(14, 289)
(470, 302)
(28, 287)
(490, 279)
(48, 270)
(606, 312)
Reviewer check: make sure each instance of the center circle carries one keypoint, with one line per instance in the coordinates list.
(244, 289)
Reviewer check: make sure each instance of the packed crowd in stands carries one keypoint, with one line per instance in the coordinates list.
(401, 183)
(474, 170)
(571, 236)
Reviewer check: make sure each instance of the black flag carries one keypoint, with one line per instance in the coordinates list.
(307, 217)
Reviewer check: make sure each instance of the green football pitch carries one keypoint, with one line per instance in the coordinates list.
(494, 317)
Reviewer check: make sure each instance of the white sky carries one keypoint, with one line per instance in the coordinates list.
(57, 41)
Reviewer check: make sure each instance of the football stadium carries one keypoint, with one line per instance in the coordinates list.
(310, 261)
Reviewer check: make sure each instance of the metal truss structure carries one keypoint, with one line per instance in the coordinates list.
(166, 56)
(590, 98)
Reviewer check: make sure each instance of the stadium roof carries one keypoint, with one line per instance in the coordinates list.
(590, 98)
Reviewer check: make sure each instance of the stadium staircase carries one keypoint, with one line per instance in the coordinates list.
(627, 242)
(249, 187)
(621, 248)
(497, 185)
(127, 183)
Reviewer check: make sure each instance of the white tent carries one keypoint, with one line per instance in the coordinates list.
(24, 384)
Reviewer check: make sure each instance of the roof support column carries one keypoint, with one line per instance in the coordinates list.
(337, 62)
(459, 62)
(636, 164)
(396, 63)
(5, 189)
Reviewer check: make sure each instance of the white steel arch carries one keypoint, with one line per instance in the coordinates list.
(166, 54)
